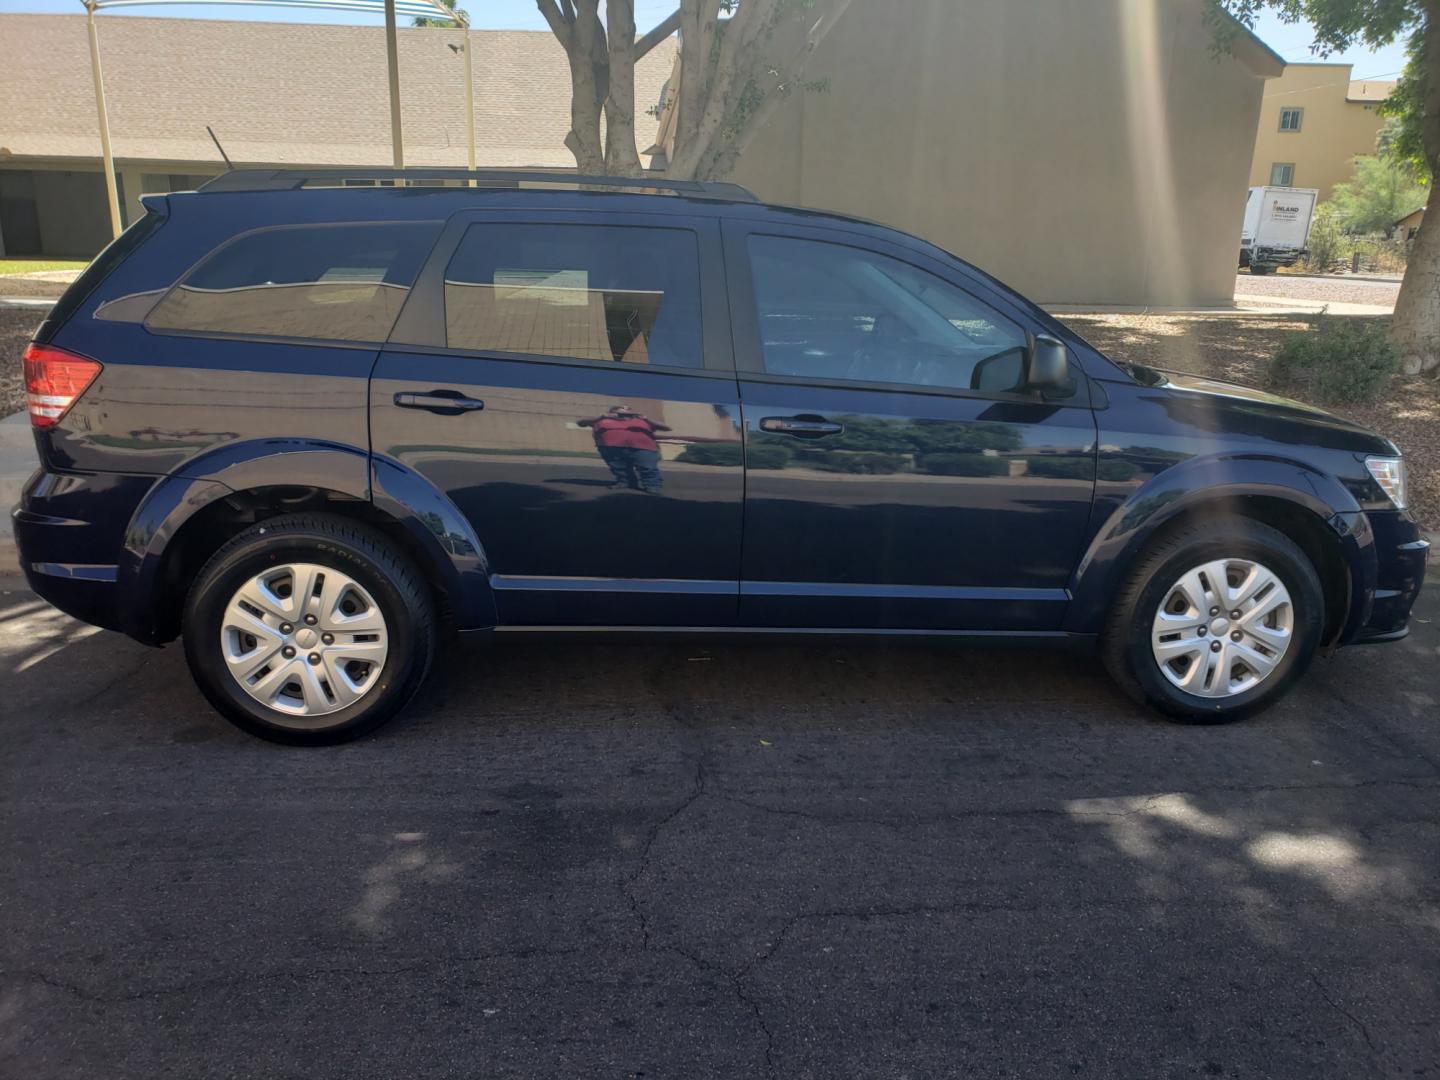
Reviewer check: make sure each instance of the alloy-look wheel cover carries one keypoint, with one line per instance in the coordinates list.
(304, 640)
(1223, 628)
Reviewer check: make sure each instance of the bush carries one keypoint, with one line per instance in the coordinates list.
(712, 454)
(862, 462)
(1326, 242)
(768, 457)
(1340, 361)
(959, 464)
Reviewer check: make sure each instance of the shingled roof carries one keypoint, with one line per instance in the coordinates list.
(289, 93)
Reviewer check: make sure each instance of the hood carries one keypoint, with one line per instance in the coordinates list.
(1248, 408)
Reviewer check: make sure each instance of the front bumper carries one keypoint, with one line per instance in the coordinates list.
(1401, 554)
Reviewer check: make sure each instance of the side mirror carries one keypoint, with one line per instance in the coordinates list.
(1049, 364)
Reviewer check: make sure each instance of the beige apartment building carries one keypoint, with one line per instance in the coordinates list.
(1314, 120)
(1084, 153)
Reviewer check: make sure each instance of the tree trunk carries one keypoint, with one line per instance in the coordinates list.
(1415, 327)
(621, 155)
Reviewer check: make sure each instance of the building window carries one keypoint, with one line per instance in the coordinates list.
(1282, 175)
(1290, 119)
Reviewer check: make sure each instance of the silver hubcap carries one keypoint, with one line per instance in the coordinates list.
(1223, 628)
(304, 640)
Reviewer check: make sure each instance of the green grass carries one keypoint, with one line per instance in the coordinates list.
(33, 266)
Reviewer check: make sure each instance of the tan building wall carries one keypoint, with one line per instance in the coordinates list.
(1083, 153)
(1339, 121)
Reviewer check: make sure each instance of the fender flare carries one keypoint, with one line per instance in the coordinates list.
(451, 555)
(1217, 479)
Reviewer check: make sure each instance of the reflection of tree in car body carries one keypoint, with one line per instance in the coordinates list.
(625, 439)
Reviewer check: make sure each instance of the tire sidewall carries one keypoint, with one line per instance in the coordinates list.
(211, 595)
(1306, 598)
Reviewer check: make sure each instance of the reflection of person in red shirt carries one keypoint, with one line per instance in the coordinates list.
(626, 440)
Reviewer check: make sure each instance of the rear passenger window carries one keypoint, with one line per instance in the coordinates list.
(588, 292)
(334, 282)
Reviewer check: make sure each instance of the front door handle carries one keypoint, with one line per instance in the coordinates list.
(802, 427)
(443, 402)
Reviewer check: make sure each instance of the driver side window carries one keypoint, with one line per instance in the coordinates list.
(832, 312)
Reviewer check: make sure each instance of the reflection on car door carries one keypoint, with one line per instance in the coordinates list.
(897, 476)
(565, 379)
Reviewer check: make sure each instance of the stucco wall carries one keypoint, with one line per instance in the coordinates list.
(1083, 153)
(1332, 131)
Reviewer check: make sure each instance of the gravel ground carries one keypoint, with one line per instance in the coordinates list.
(1238, 347)
(16, 326)
(1329, 289)
(18, 285)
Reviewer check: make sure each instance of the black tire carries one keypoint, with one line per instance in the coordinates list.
(1260, 269)
(1125, 645)
(356, 550)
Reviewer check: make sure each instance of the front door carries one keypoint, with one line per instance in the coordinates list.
(898, 474)
(566, 380)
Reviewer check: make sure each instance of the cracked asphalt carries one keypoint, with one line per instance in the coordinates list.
(717, 859)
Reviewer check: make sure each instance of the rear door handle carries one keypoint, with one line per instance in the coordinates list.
(802, 427)
(443, 402)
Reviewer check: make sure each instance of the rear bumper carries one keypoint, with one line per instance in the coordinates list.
(69, 534)
(1401, 554)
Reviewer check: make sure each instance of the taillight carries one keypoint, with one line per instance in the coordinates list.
(54, 379)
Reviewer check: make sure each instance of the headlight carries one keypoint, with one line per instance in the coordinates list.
(1389, 473)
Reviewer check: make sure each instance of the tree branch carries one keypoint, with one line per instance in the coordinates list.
(559, 25)
(667, 26)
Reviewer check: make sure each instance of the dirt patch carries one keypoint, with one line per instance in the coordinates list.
(15, 285)
(1238, 347)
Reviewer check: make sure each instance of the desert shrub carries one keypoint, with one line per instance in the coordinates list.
(960, 464)
(851, 461)
(712, 454)
(761, 456)
(1327, 239)
(1062, 468)
(1340, 361)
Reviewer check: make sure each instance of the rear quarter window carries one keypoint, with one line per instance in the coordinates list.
(326, 282)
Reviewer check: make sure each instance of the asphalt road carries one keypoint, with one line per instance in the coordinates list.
(701, 860)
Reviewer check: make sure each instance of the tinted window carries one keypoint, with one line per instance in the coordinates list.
(840, 313)
(591, 292)
(343, 283)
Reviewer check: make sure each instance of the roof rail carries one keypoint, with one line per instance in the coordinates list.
(291, 179)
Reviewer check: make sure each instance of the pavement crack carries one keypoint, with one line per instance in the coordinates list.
(1334, 1004)
(643, 863)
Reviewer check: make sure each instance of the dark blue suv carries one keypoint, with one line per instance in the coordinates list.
(314, 420)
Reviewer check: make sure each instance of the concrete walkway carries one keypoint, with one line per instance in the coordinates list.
(17, 462)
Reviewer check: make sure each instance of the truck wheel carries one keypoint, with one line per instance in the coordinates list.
(309, 629)
(1215, 621)
(1260, 269)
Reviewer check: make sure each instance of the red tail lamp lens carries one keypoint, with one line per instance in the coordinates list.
(54, 380)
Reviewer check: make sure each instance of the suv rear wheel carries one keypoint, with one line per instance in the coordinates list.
(1215, 621)
(309, 629)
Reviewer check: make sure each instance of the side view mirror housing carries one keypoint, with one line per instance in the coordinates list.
(1049, 364)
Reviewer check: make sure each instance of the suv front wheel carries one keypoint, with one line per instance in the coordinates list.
(309, 629)
(1216, 621)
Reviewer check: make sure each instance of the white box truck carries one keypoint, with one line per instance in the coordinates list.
(1277, 224)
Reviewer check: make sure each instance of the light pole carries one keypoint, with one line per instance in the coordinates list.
(112, 193)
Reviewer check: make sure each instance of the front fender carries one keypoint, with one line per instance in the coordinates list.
(1218, 480)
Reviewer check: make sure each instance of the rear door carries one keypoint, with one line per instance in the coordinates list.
(898, 475)
(566, 378)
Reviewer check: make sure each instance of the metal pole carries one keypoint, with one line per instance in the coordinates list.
(111, 192)
(392, 60)
(469, 97)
